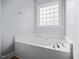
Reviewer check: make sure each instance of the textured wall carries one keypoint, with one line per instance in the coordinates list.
(0, 27)
(72, 25)
(27, 51)
(78, 26)
(18, 18)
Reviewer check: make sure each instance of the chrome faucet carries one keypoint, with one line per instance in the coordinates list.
(57, 45)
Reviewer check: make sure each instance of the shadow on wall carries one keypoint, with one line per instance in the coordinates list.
(71, 49)
(10, 49)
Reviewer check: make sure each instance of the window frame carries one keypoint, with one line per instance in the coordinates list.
(44, 5)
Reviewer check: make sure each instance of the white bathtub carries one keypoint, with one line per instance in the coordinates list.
(40, 46)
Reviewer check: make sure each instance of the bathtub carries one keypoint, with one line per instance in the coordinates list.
(41, 46)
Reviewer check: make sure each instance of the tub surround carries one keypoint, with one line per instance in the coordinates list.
(44, 41)
(62, 49)
(27, 51)
(44, 44)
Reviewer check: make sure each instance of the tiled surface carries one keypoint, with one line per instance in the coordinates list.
(49, 14)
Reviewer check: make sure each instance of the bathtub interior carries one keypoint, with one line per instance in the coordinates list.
(44, 40)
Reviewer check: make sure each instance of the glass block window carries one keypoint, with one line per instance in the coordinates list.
(49, 14)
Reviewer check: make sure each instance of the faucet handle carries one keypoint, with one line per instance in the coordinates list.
(62, 45)
(53, 46)
(58, 46)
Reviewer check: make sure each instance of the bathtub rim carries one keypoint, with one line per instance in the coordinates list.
(46, 47)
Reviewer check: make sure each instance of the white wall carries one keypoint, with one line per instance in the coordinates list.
(78, 27)
(0, 27)
(72, 25)
(18, 18)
